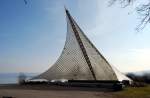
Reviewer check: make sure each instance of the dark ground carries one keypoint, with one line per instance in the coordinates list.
(52, 91)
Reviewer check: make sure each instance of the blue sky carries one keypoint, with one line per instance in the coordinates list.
(32, 36)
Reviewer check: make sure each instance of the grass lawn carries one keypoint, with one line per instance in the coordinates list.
(133, 92)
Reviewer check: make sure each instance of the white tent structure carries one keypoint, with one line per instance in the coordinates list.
(80, 60)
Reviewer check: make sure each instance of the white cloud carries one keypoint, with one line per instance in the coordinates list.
(142, 56)
(131, 60)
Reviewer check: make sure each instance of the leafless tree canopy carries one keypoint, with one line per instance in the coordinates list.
(124, 3)
(143, 11)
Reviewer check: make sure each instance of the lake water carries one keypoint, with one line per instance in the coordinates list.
(9, 78)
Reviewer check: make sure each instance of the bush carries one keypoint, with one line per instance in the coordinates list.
(139, 80)
(22, 78)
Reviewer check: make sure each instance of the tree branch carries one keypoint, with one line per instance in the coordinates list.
(143, 11)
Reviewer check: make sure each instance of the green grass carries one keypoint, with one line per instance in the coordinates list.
(133, 92)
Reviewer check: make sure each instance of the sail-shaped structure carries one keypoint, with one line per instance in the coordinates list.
(80, 59)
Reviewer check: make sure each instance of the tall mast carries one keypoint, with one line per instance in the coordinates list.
(80, 43)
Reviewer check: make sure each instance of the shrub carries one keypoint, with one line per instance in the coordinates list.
(22, 78)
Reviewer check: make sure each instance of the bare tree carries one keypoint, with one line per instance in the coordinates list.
(123, 3)
(143, 11)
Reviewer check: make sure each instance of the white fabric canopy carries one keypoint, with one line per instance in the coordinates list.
(80, 59)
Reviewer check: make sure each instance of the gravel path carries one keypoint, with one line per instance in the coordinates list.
(51, 92)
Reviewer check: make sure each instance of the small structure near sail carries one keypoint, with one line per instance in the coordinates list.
(80, 59)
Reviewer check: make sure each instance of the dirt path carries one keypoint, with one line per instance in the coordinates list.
(51, 92)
